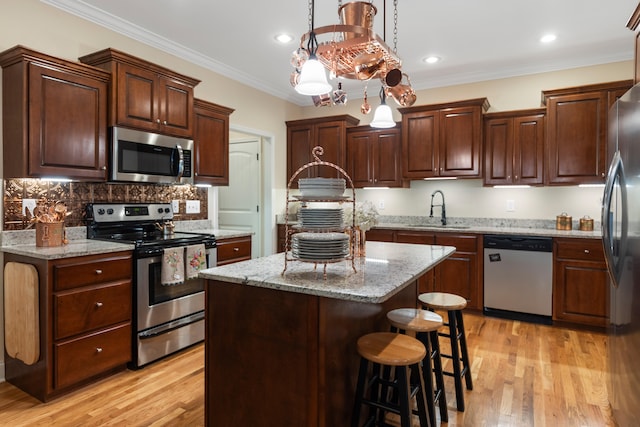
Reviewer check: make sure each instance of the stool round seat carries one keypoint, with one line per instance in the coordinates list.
(443, 301)
(388, 348)
(414, 319)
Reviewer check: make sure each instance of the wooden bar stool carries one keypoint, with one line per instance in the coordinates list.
(405, 354)
(425, 324)
(453, 304)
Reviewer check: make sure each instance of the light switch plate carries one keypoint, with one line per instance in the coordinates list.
(511, 205)
(28, 203)
(175, 206)
(193, 206)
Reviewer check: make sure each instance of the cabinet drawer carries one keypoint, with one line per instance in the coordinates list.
(91, 355)
(84, 310)
(589, 250)
(234, 250)
(419, 237)
(91, 270)
(462, 243)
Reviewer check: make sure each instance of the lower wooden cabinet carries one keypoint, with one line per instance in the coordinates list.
(84, 322)
(460, 274)
(580, 285)
(233, 250)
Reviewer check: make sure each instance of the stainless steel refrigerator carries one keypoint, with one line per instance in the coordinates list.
(621, 238)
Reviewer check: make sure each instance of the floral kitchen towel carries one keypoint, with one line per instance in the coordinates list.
(172, 266)
(196, 260)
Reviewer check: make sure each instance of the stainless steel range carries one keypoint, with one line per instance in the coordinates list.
(168, 315)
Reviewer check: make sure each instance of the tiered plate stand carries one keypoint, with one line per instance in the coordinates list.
(349, 230)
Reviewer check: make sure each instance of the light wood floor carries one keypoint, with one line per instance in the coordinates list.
(523, 374)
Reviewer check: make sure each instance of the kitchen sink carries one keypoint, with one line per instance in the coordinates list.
(446, 227)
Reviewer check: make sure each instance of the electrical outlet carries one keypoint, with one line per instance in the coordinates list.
(381, 205)
(511, 205)
(193, 206)
(28, 203)
(175, 206)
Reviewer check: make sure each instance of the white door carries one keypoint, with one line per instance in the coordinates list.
(239, 203)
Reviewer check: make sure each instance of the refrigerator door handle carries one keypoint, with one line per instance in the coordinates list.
(614, 255)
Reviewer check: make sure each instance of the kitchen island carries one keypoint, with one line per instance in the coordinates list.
(280, 349)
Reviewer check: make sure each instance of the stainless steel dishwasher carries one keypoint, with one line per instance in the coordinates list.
(518, 277)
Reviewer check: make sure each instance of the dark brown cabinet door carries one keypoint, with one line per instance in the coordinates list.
(514, 147)
(577, 120)
(374, 157)
(580, 288)
(176, 107)
(443, 140)
(211, 143)
(330, 133)
(55, 117)
(461, 273)
(136, 104)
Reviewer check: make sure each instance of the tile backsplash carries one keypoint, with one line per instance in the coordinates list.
(77, 194)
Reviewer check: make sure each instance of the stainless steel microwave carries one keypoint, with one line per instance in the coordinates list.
(139, 156)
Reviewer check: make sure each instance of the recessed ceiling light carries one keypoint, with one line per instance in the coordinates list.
(284, 38)
(548, 38)
(432, 59)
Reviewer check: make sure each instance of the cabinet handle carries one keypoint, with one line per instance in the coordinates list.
(98, 271)
(586, 251)
(99, 304)
(98, 349)
(236, 249)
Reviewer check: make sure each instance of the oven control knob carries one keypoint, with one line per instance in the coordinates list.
(100, 211)
(159, 210)
(110, 211)
(167, 210)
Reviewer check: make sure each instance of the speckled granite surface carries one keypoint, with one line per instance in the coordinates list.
(386, 269)
(72, 249)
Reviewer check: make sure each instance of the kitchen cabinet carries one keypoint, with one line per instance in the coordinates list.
(633, 24)
(459, 274)
(514, 147)
(55, 117)
(85, 306)
(330, 133)
(580, 285)
(374, 157)
(146, 96)
(443, 140)
(211, 143)
(233, 249)
(577, 120)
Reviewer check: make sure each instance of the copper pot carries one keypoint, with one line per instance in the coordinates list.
(368, 64)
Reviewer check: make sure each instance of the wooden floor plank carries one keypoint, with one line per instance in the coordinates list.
(524, 375)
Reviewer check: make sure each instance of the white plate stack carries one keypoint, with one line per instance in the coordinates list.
(320, 246)
(322, 188)
(320, 218)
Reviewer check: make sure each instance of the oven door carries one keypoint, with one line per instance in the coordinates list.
(156, 303)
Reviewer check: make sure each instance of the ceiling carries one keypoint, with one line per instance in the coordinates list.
(477, 40)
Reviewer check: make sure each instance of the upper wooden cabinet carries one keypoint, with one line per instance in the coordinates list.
(54, 117)
(443, 140)
(577, 120)
(633, 24)
(330, 133)
(514, 147)
(211, 143)
(147, 96)
(374, 157)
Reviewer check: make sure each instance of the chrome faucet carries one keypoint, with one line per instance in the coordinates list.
(444, 212)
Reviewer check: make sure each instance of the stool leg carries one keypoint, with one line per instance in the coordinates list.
(455, 359)
(437, 370)
(404, 394)
(427, 383)
(360, 386)
(463, 348)
(417, 377)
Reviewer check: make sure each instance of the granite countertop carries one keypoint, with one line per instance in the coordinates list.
(386, 269)
(72, 249)
(226, 234)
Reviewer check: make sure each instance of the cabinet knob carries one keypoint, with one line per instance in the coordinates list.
(586, 251)
(236, 249)
(158, 121)
(516, 176)
(104, 168)
(164, 122)
(99, 304)
(98, 271)
(98, 349)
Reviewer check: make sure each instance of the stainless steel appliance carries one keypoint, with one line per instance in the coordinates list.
(167, 317)
(138, 156)
(621, 239)
(518, 277)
